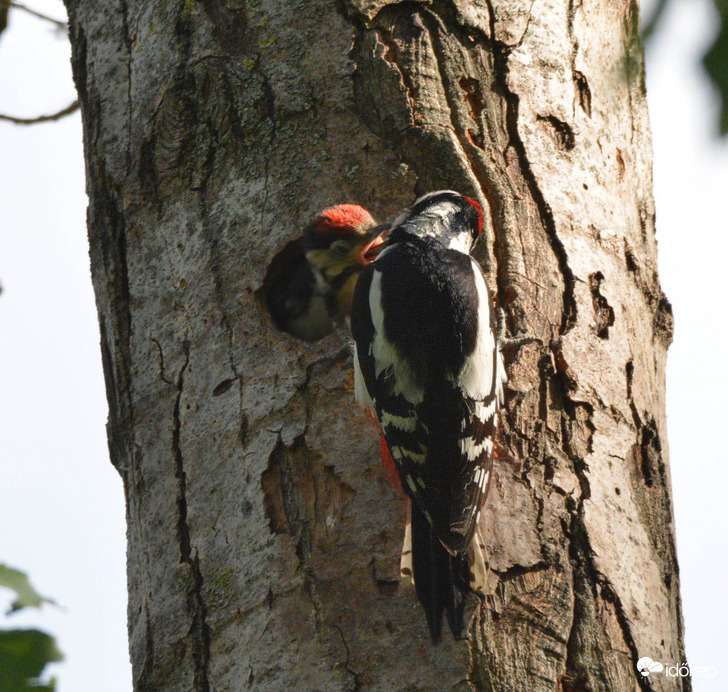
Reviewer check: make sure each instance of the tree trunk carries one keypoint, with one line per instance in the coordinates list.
(264, 536)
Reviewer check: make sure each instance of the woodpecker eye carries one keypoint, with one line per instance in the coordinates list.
(339, 248)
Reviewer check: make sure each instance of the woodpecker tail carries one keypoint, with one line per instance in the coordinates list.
(441, 579)
(478, 560)
(459, 574)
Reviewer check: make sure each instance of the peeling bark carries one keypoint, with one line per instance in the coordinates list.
(263, 533)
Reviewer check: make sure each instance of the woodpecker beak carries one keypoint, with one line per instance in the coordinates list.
(370, 251)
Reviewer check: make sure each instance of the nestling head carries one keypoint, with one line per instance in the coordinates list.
(338, 239)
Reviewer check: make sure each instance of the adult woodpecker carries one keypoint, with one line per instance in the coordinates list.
(311, 292)
(428, 366)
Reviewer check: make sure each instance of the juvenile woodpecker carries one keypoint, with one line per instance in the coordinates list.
(427, 365)
(312, 291)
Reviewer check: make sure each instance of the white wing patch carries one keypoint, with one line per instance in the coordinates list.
(476, 376)
(360, 388)
(501, 378)
(406, 423)
(386, 359)
(473, 451)
(484, 411)
(411, 484)
(402, 453)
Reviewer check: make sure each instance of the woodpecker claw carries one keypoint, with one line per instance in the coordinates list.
(509, 342)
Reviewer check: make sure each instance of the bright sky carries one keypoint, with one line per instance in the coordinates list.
(61, 502)
(691, 187)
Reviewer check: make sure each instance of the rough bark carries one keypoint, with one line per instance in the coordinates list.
(263, 533)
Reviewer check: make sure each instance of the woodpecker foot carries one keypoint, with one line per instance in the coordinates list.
(329, 359)
(508, 342)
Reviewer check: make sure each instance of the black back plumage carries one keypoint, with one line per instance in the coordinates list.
(430, 305)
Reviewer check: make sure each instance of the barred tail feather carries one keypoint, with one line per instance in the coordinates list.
(405, 563)
(478, 559)
(441, 579)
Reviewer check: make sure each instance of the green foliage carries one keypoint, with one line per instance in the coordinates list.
(24, 653)
(716, 63)
(27, 596)
(715, 60)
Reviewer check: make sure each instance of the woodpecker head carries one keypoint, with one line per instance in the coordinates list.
(338, 239)
(447, 216)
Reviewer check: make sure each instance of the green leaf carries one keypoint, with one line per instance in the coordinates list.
(716, 63)
(23, 655)
(27, 596)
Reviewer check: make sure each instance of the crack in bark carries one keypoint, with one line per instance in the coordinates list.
(199, 630)
(516, 571)
(603, 311)
(270, 113)
(561, 132)
(162, 376)
(463, 135)
(629, 376)
(501, 69)
(347, 663)
(485, 177)
(588, 578)
(545, 550)
(407, 85)
(582, 90)
(147, 669)
(589, 584)
(582, 557)
(128, 45)
(211, 237)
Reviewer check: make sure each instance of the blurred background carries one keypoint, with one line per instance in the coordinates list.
(61, 502)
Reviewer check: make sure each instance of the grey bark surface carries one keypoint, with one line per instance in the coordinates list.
(263, 534)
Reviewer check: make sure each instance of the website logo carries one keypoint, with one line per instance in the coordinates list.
(646, 666)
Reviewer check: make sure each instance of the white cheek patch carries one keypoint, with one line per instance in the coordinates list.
(386, 358)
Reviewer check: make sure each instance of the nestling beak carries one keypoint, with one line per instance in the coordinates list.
(369, 252)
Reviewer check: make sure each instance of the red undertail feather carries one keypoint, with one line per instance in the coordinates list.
(389, 465)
